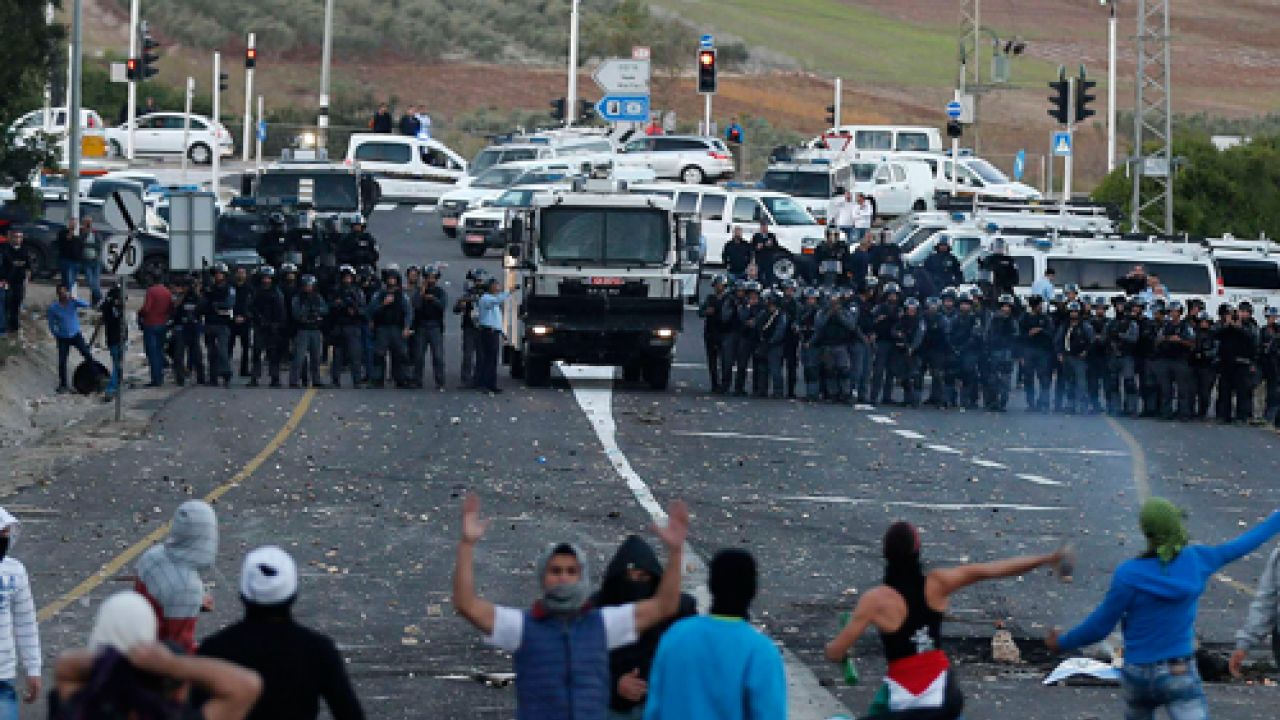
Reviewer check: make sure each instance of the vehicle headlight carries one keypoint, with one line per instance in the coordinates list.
(664, 333)
(540, 330)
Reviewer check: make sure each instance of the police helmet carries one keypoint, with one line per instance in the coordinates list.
(1035, 299)
(1224, 309)
(1246, 306)
(788, 284)
(871, 281)
(219, 267)
(948, 292)
(891, 288)
(1159, 305)
(811, 292)
(911, 303)
(480, 276)
(388, 275)
(1100, 301)
(752, 286)
(771, 295)
(1204, 316)
(932, 301)
(307, 280)
(431, 270)
(266, 271)
(286, 268)
(1073, 288)
(1059, 297)
(1271, 311)
(964, 297)
(346, 270)
(1118, 299)
(847, 294)
(1006, 299)
(276, 218)
(909, 281)
(393, 266)
(975, 293)
(1073, 306)
(1175, 306)
(364, 272)
(413, 269)
(719, 279)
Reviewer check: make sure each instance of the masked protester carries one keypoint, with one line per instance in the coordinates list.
(169, 573)
(633, 575)
(561, 645)
(907, 610)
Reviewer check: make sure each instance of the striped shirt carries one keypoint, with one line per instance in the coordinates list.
(19, 633)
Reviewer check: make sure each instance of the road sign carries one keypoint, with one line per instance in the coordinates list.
(954, 109)
(1019, 164)
(262, 131)
(624, 108)
(640, 52)
(123, 211)
(707, 41)
(117, 248)
(1062, 144)
(616, 76)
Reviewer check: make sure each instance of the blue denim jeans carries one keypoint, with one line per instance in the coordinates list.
(153, 339)
(117, 360)
(8, 700)
(70, 272)
(1171, 684)
(93, 277)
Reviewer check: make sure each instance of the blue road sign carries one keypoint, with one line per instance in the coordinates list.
(1062, 144)
(262, 131)
(954, 110)
(708, 41)
(1019, 164)
(624, 108)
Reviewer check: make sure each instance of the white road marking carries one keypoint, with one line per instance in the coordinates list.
(593, 389)
(944, 449)
(864, 408)
(1071, 451)
(688, 366)
(1037, 479)
(839, 500)
(909, 434)
(423, 209)
(882, 419)
(989, 464)
(745, 436)
(385, 207)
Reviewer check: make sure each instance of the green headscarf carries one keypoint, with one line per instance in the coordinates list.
(1161, 523)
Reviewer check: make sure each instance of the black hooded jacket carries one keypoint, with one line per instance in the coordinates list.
(617, 590)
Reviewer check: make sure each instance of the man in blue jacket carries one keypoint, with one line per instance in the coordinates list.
(1154, 597)
(64, 326)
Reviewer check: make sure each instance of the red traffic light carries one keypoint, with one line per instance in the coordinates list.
(250, 57)
(707, 58)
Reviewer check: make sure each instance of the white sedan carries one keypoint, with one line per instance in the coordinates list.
(161, 134)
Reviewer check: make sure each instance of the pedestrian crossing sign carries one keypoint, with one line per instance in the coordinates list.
(1062, 144)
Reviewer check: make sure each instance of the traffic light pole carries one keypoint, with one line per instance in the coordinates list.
(132, 112)
(835, 112)
(326, 56)
(217, 113)
(248, 105)
(1068, 164)
(73, 120)
(571, 93)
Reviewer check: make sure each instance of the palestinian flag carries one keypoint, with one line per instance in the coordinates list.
(918, 682)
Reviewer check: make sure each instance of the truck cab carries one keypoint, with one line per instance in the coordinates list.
(600, 274)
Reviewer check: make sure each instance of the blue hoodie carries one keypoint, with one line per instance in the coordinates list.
(1156, 603)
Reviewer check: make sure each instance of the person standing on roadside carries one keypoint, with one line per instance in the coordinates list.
(169, 573)
(298, 666)
(908, 610)
(409, 122)
(153, 318)
(112, 309)
(1264, 616)
(717, 665)
(842, 214)
(490, 322)
(864, 218)
(17, 267)
(19, 630)
(561, 645)
(91, 259)
(64, 326)
(1154, 598)
(381, 120)
(70, 252)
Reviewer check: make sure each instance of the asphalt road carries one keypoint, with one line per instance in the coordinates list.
(363, 488)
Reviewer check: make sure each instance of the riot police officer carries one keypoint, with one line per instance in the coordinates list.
(934, 351)
(428, 328)
(273, 245)
(218, 313)
(834, 329)
(188, 331)
(240, 319)
(771, 330)
(810, 354)
(748, 316)
(467, 309)
(1175, 340)
(1004, 272)
(709, 311)
(309, 311)
(1072, 347)
(1124, 335)
(963, 338)
(1099, 356)
(347, 311)
(905, 336)
(357, 247)
(1204, 364)
(267, 319)
(791, 349)
(730, 327)
(943, 266)
(885, 316)
(392, 316)
(1001, 341)
(832, 260)
(1269, 363)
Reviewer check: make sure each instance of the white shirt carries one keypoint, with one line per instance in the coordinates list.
(619, 627)
(424, 126)
(842, 213)
(19, 633)
(864, 215)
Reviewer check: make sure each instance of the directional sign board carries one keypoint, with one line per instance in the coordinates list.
(707, 41)
(117, 248)
(123, 211)
(1062, 144)
(954, 109)
(1019, 164)
(262, 131)
(624, 108)
(616, 76)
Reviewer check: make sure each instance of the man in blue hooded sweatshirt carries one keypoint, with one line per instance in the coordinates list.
(1155, 598)
(561, 645)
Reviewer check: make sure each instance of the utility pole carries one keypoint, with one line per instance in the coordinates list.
(326, 56)
(1153, 119)
(73, 119)
(1068, 163)
(571, 93)
(217, 110)
(186, 122)
(1111, 86)
(835, 107)
(250, 61)
(132, 111)
(48, 85)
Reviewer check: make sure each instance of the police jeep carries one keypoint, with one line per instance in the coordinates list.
(600, 275)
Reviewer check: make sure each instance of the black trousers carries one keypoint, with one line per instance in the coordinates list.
(712, 343)
(487, 363)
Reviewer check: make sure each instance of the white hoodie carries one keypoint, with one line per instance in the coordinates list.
(19, 633)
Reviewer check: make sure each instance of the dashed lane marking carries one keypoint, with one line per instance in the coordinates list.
(109, 570)
(908, 434)
(385, 207)
(944, 449)
(882, 420)
(989, 464)
(1037, 479)
(1069, 451)
(744, 436)
(840, 500)
(423, 209)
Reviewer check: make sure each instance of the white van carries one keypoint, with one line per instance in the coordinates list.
(977, 179)
(1187, 270)
(1249, 269)
(406, 168)
(895, 138)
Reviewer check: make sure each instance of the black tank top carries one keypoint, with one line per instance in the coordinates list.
(921, 631)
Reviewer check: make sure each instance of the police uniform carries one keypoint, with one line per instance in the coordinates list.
(709, 311)
(188, 330)
(267, 317)
(1037, 334)
(219, 307)
(347, 313)
(309, 311)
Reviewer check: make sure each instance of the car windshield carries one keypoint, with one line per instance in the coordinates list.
(786, 211)
(599, 236)
(799, 183)
(540, 177)
(988, 172)
(330, 192)
(488, 158)
(514, 198)
(863, 172)
(497, 178)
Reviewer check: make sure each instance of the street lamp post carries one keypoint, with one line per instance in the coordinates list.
(322, 124)
(1111, 85)
(571, 95)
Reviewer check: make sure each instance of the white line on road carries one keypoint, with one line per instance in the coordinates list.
(423, 209)
(688, 366)
(1071, 451)
(882, 419)
(839, 500)
(745, 436)
(909, 434)
(593, 389)
(864, 408)
(989, 464)
(1037, 479)
(385, 207)
(944, 449)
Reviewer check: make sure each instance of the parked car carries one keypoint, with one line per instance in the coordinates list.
(160, 134)
(32, 123)
(407, 168)
(687, 158)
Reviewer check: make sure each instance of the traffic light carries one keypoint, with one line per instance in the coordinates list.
(954, 129)
(250, 58)
(707, 71)
(831, 116)
(131, 69)
(586, 110)
(1060, 100)
(146, 68)
(557, 109)
(222, 81)
(1083, 98)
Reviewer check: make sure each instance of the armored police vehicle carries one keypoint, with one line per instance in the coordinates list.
(596, 274)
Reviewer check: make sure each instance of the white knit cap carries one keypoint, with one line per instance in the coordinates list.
(269, 576)
(125, 621)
